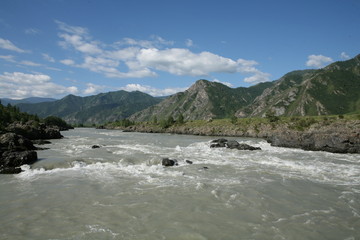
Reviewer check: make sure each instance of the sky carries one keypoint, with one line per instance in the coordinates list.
(52, 48)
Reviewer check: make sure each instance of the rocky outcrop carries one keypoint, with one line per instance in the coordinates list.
(15, 150)
(328, 139)
(167, 162)
(35, 130)
(232, 144)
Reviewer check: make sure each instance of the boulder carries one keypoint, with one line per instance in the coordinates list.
(16, 159)
(218, 143)
(95, 146)
(10, 170)
(15, 150)
(232, 144)
(13, 142)
(167, 162)
(34, 130)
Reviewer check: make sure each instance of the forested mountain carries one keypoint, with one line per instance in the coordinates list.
(97, 109)
(6, 101)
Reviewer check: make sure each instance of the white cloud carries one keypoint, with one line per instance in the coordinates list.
(344, 56)
(143, 58)
(318, 61)
(258, 77)
(156, 41)
(180, 61)
(189, 43)
(19, 85)
(225, 83)
(9, 58)
(6, 44)
(30, 63)
(47, 57)
(68, 62)
(92, 88)
(32, 31)
(151, 90)
(71, 29)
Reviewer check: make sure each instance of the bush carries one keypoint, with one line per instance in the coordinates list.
(56, 121)
(270, 115)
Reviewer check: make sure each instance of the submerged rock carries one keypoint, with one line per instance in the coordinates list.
(232, 144)
(188, 161)
(167, 162)
(95, 146)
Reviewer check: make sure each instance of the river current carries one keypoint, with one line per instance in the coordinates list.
(121, 191)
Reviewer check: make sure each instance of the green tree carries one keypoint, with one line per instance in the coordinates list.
(270, 115)
(233, 119)
(180, 119)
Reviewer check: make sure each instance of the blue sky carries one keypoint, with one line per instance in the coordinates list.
(52, 48)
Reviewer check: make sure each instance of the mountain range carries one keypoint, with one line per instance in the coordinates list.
(334, 89)
(97, 109)
(6, 101)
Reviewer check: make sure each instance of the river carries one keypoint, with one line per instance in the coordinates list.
(121, 191)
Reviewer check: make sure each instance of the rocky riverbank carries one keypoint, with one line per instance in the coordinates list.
(16, 144)
(337, 136)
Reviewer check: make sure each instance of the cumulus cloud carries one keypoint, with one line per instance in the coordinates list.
(6, 44)
(93, 88)
(225, 83)
(344, 56)
(151, 90)
(19, 85)
(131, 58)
(318, 61)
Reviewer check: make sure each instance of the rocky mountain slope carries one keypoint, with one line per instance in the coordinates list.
(96, 109)
(334, 89)
(203, 100)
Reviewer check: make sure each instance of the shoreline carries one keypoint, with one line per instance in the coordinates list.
(336, 136)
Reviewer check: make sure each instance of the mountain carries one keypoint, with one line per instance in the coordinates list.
(6, 101)
(203, 100)
(334, 89)
(98, 109)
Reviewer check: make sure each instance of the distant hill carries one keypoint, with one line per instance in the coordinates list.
(203, 100)
(6, 101)
(97, 109)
